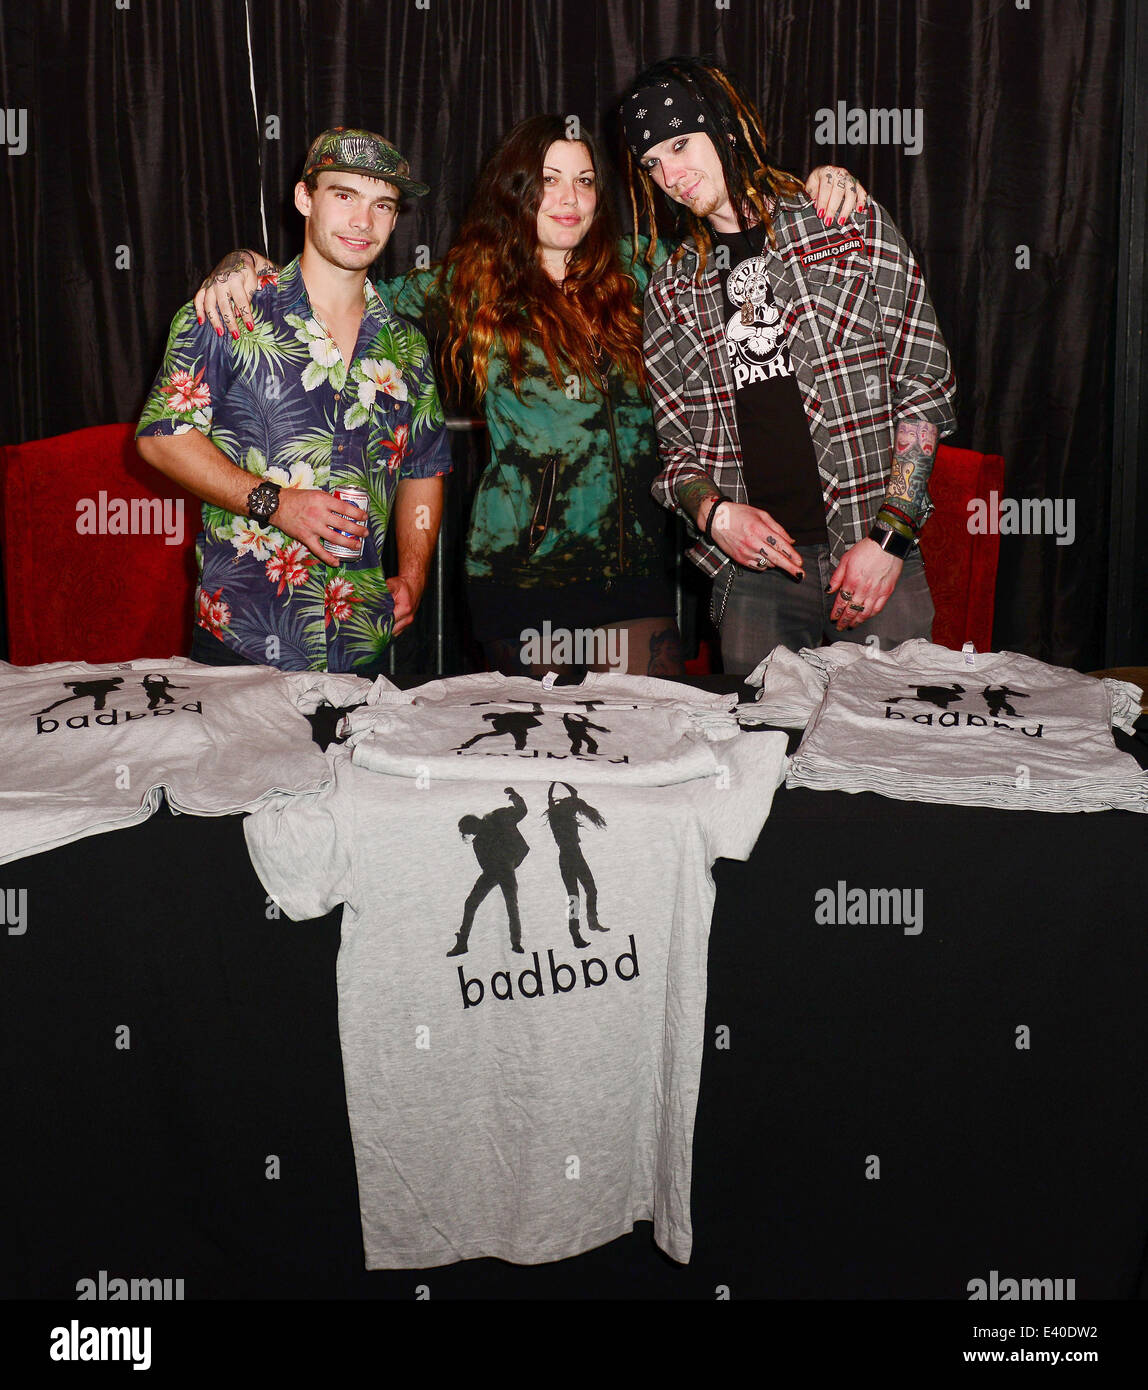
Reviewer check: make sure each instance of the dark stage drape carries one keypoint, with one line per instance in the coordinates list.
(160, 133)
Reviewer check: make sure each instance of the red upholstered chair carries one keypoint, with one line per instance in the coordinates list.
(962, 567)
(99, 550)
(703, 663)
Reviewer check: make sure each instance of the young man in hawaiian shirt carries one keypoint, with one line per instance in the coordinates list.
(799, 379)
(329, 390)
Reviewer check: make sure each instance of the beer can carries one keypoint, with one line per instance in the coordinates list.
(354, 546)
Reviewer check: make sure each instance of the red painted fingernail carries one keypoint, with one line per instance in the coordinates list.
(199, 318)
(219, 330)
(821, 213)
(235, 333)
(250, 325)
(841, 220)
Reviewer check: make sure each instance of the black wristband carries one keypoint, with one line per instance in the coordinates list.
(708, 532)
(892, 542)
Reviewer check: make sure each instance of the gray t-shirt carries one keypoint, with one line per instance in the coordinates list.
(89, 748)
(924, 723)
(529, 1104)
(610, 728)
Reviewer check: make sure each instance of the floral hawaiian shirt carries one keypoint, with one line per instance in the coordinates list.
(281, 403)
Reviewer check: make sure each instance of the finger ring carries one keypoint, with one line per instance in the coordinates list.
(846, 594)
(857, 607)
(761, 562)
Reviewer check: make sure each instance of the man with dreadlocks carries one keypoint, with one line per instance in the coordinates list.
(799, 378)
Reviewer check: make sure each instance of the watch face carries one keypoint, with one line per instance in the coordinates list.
(262, 501)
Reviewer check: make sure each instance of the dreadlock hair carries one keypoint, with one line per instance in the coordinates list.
(497, 293)
(750, 179)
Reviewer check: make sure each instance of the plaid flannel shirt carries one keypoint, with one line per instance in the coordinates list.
(866, 351)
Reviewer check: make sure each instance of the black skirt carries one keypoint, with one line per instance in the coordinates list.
(505, 611)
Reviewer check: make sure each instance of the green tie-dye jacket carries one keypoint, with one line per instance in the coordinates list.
(565, 497)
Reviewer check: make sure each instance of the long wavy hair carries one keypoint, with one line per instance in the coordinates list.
(497, 294)
(750, 179)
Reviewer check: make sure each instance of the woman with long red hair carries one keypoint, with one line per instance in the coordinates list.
(544, 318)
(542, 310)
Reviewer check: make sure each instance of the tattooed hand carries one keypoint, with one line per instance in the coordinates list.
(864, 582)
(835, 193)
(224, 298)
(752, 538)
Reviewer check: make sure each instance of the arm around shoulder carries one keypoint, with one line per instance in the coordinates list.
(408, 294)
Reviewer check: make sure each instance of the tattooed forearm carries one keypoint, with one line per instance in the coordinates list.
(913, 455)
(692, 493)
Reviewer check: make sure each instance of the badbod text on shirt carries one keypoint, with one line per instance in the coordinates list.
(99, 689)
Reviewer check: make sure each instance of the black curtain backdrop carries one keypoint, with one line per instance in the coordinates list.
(160, 133)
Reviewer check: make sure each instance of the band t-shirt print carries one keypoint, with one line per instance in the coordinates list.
(610, 728)
(778, 462)
(87, 748)
(522, 978)
(924, 723)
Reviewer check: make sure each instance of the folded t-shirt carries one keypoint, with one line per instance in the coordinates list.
(924, 723)
(87, 748)
(608, 729)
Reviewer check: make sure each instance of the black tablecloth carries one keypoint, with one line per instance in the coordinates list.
(868, 1125)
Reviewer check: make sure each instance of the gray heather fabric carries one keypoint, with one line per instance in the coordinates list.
(609, 729)
(924, 723)
(88, 748)
(533, 1105)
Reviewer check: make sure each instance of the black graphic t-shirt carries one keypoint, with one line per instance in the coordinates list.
(778, 461)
